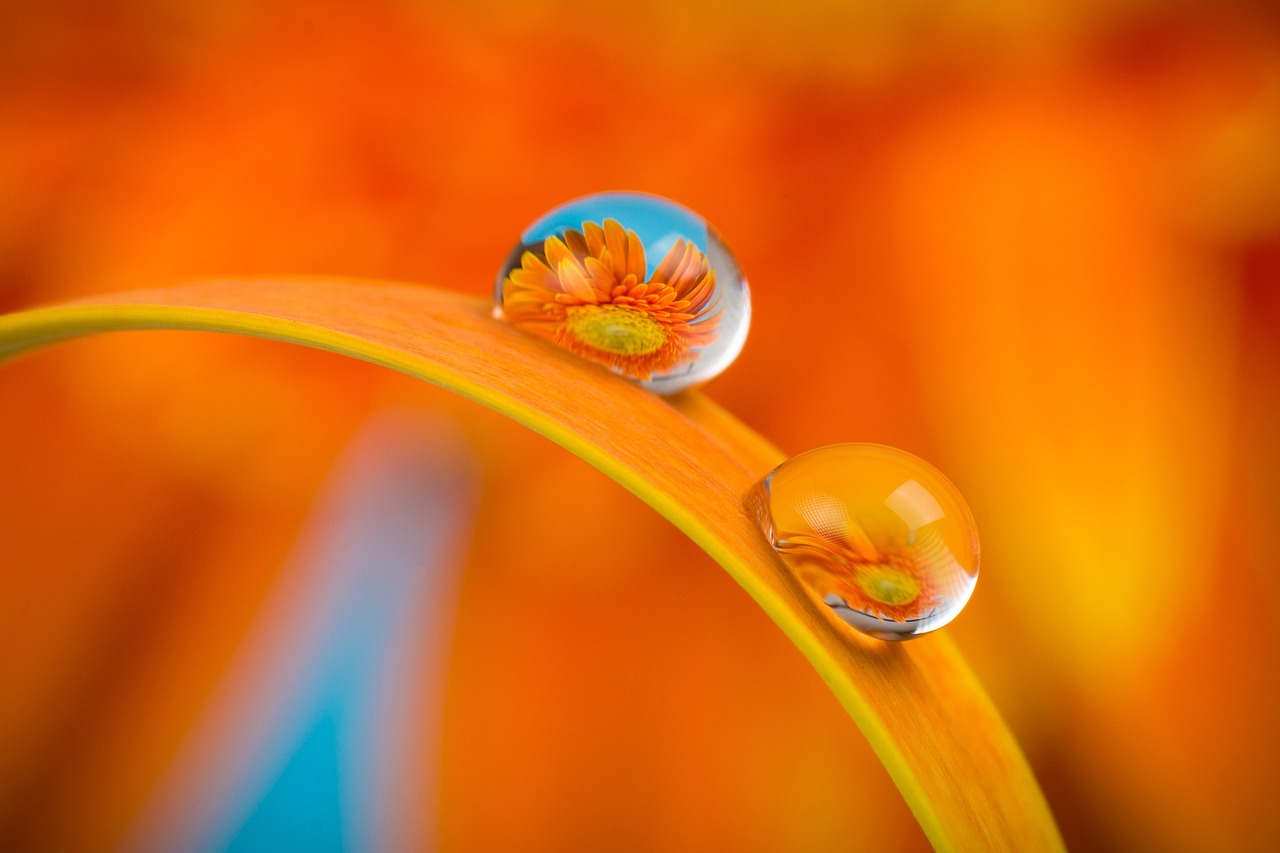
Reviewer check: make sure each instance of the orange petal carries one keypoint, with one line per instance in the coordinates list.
(595, 238)
(574, 282)
(920, 706)
(576, 243)
(686, 270)
(701, 292)
(635, 256)
(670, 262)
(600, 274)
(558, 253)
(615, 240)
(527, 279)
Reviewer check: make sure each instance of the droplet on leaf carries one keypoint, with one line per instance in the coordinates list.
(631, 281)
(880, 535)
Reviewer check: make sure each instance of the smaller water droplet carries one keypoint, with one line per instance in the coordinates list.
(879, 535)
(631, 281)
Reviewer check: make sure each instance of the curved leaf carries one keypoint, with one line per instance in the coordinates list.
(918, 704)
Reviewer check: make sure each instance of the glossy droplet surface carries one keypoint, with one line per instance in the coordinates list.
(878, 534)
(631, 281)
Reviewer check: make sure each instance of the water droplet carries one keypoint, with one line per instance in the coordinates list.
(634, 282)
(878, 534)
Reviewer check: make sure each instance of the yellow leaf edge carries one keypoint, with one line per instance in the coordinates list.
(919, 705)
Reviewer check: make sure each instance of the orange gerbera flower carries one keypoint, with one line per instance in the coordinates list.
(589, 294)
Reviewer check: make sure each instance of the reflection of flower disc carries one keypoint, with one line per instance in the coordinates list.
(633, 282)
(894, 586)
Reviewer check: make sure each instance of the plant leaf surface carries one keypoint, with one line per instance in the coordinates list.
(918, 703)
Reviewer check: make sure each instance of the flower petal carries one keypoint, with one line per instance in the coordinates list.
(574, 281)
(670, 261)
(919, 705)
(615, 240)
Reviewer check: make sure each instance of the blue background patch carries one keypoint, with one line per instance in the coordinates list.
(657, 221)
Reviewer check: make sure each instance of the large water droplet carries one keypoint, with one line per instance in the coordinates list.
(878, 534)
(631, 281)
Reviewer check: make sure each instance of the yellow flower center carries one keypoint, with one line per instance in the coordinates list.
(615, 329)
(888, 584)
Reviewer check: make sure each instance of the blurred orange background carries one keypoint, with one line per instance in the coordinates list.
(1037, 244)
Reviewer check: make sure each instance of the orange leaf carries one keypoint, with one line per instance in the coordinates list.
(918, 704)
